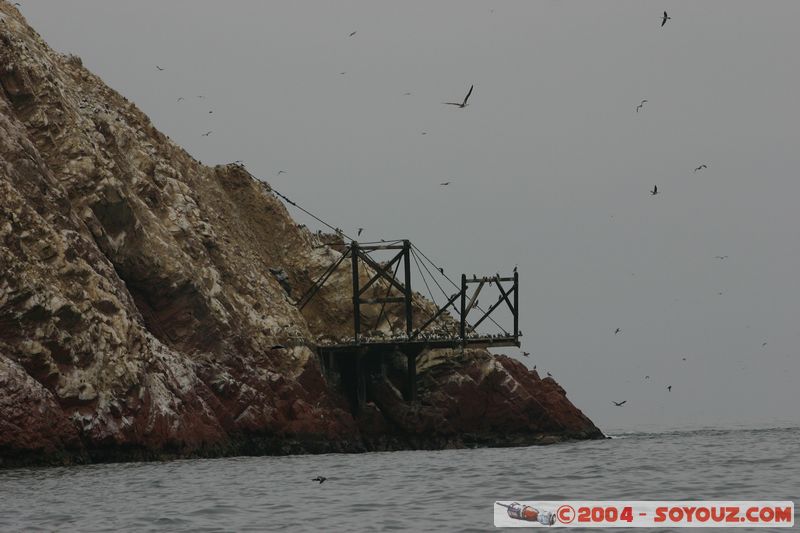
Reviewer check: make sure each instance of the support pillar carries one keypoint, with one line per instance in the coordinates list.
(361, 382)
(356, 298)
(411, 375)
(408, 294)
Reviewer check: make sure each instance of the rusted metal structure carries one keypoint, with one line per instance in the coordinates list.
(360, 353)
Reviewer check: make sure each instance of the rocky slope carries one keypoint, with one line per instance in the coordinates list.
(146, 307)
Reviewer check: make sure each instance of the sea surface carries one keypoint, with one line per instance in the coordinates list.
(451, 490)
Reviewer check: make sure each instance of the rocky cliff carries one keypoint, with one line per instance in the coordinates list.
(146, 307)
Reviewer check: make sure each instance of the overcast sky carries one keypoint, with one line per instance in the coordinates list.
(550, 164)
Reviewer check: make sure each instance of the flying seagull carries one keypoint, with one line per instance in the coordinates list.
(669, 388)
(665, 19)
(654, 191)
(353, 33)
(701, 167)
(444, 183)
(359, 232)
(321, 479)
(641, 105)
(180, 98)
(617, 331)
(720, 257)
(463, 104)
(281, 172)
(619, 404)
(206, 134)
(159, 68)
(526, 354)
(647, 377)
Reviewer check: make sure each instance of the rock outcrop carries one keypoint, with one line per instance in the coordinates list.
(147, 305)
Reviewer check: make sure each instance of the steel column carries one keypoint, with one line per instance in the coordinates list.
(516, 305)
(356, 299)
(407, 267)
(463, 330)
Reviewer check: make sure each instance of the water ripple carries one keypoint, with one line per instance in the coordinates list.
(397, 491)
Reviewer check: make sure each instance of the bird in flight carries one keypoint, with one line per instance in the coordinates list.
(720, 257)
(665, 19)
(359, 232)
(701, 167)
(617, 331)
(321, 479)
(159, 68)
(647, 377)
(684, 359)
(281, 172)
(180, 98)
(763, 344)
(444, 183)
(549, 375)
(654, 191)
(641, 105)
(669, 388)
(463, 104)
(526, 354)
(353, 33)
(206, 134)
(619, 404)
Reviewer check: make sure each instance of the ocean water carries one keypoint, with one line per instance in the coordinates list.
(451, 490)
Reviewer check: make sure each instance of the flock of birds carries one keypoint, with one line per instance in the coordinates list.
(462, 104)
(702, 166)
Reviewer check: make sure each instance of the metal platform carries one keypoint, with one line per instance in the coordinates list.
(415, 340)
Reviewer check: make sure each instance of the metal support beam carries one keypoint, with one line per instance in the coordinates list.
(474, 299)
(356, 300)
(439, 313)
(463, 330)
(381, 272)
(504, 294)
(516, 305)
(407, 267)
(385, 272)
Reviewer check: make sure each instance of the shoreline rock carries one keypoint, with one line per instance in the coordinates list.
(146, 303)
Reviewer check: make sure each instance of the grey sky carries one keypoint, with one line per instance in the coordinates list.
(550, 164)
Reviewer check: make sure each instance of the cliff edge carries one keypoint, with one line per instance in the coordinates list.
(141, 315)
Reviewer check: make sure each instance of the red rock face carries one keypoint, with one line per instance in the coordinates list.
(146, 301)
